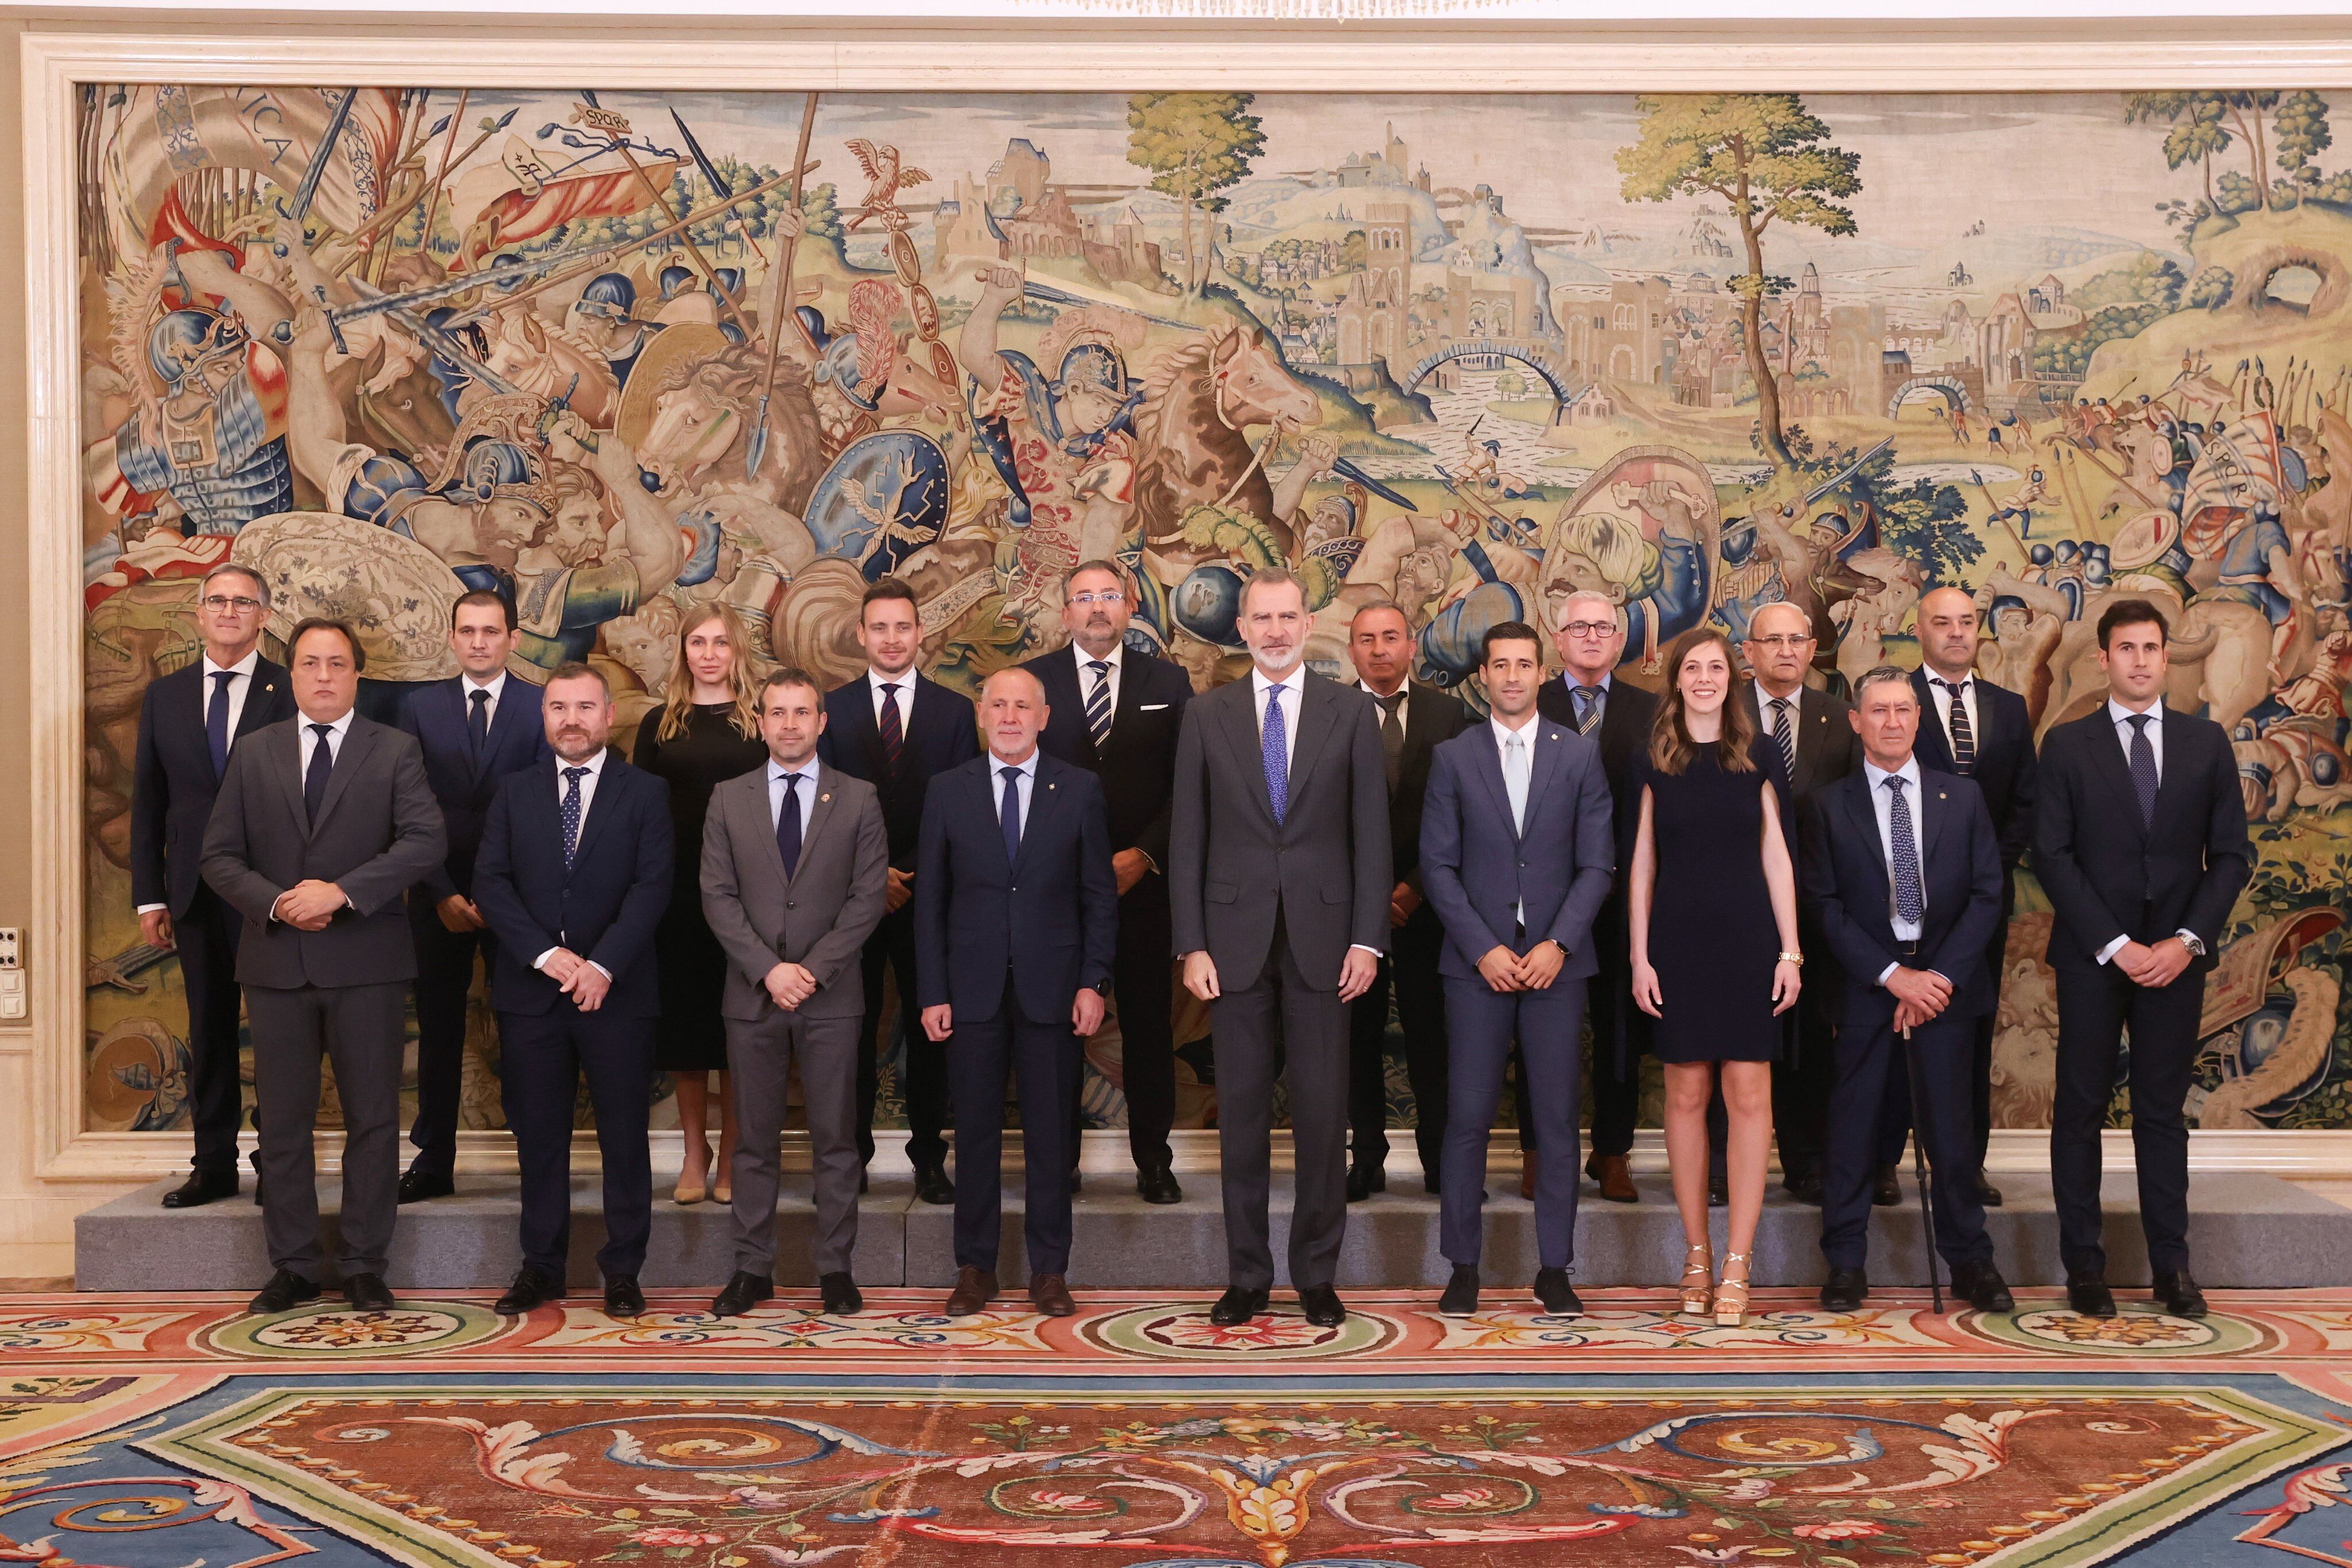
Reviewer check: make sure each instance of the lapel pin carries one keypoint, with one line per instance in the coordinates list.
(822, 799)
(1049, 785)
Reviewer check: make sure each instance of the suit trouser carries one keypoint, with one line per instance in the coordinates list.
(205, 938)
(542, 1057)
(1310, 1024)
(923, 1064)
(1546, 1025)
(1042, 1058)
(1868, 1054)
(1144, 981)
(1409, 973)
(1609, 998)
(759, 1054)
(445, 977)
(1895, 1117)
(361, 1029)
(2095, 1006)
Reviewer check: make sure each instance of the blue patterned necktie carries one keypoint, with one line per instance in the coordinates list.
(1909, 902)
(216, 721)
(572, 813)
(1274, 741)
(314, 780)
(1098, 703)
(1009, 812)
(788, 826)
(2143, 768)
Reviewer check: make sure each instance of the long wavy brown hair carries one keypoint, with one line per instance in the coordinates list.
(1670, 746)
(743, 679)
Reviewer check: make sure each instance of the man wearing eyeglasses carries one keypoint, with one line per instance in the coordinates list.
(1589, 638)
(1115, 711)
(188, 722)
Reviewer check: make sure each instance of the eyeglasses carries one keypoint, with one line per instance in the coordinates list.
(1108, 596)
(220, 604)
(1781, 639)
(1589, 628)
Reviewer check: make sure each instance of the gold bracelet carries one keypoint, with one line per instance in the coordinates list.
(1796, 958)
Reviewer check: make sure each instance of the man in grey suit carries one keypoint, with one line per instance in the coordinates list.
(795, 860)
(1278, 891)
(322, 822)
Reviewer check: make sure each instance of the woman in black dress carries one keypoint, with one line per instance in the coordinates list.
(705, 731)
(1712, 904)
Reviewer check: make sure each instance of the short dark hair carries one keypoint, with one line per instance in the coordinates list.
(328, 624)
(1509, 632)
(579, 670)
(790, 676)
(889, 587)
(2133, 613)
(483, 596)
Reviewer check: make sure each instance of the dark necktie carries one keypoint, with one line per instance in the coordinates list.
(1782, 739)
(314, 780)
(1964, 737)
(1392, 735)
(788, 825)
(480, 721)
(1098, 703)
(1009, 812)
(216, 721)
(1275, 749)
(1909, 902)
(2143, 767)
(1587, 708)
(893, 738)
(572, 808)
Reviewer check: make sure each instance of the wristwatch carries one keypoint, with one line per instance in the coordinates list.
(2194, 943)
(1556, 942)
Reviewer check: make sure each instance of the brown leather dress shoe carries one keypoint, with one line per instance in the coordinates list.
(974, 1289)
(1050, 1294)
(1615, 1176)
(1527, 1175)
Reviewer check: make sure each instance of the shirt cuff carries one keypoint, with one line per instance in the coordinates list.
(2112, 948)
(1359, 947)
(1886, 972)
(599, 969)
(144, 908)
(540, 962)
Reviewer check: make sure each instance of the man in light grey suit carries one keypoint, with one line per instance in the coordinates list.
(795, 860)
(1518, 851)
(1278, 887)
(322, 822)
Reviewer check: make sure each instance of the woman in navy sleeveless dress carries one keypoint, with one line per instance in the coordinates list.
(1712, 902)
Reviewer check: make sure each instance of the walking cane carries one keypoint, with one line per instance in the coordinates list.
(1919, 1167)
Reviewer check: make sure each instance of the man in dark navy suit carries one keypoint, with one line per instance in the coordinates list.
(896, 729)
(475, 729)
(1901, 870)
(1016, 919)
(1980, 732)
(188, 722)
(573, 877)
(1116, 712)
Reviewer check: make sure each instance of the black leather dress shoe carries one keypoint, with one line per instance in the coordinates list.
(2088, 1295)
(1982, 1286)
(1077, 1182)
(623, 1298)
(1845, 1290)
(368, 1293)
(1886, 1191)
(744, 1292)
(286, 1291)
(931, 1184)
(201, 1188)
(1461, 1297)
(2178, 1294)
(1237, 1306)
(1321, 1304)
(837, 1294)
(1365, 1179)
(1718, 1191)
(530, 1287)
(1805, 1187)
(1556, 1294)
(416, 1186)
(1158, 1185)
(1987, 1194)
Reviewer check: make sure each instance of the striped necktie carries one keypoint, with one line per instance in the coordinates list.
(894, 736)
(1781, 737)
(1964, 737)
(1098, 702)
(1587, 708)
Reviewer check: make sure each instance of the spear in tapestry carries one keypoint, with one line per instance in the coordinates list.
(718, 182)
(779, 303)
(597, 117)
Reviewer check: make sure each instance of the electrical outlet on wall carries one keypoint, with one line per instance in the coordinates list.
(11, 947)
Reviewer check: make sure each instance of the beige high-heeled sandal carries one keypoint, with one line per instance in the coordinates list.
(1698, 1264)
(700, 1189)
(1731, 1295)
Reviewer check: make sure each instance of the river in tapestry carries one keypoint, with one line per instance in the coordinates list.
(1467, 353)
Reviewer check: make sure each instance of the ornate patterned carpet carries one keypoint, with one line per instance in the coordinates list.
(169, 1431)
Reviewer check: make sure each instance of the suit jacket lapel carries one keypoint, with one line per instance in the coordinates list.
(2172, 767)
(1935, 807)
(1487, 759)
(828, 785)
(1043, 800)
(601, 805)
(358, 741)
(261, 696)
(1864, 812)
(1319, 715)
(1241, 731)
(1547, 750)
(506, 726)
(2108, 761)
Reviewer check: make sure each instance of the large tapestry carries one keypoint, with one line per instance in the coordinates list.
(623, 354)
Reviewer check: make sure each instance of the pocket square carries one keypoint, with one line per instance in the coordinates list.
(1151, 707)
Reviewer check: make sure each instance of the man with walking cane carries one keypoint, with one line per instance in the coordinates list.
(1901, 870)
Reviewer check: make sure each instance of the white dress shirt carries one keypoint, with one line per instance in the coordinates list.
(467, 687)
(1293, 688)
(1087, 676)
(1403, 709)
(1519, 781)
(240, 681)
(804, 792)
(1024, 779)
(1942, 698)
(337, 732)
(2121, 716)
(595, 766)
(876, 680)
(1882, 802)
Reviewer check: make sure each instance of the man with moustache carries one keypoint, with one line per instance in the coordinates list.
(1016, 914)
(896, 729)
(573, 874)
(1115, 711)
(322, 822)
(2139, 839)
(474, 729)
(795, 873)
(1278, 894)
(190, 721)
(1589, 639)
(1414, 720)
(1980, 732)
(1518, 850)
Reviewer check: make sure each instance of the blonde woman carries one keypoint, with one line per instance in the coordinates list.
(1711, 903)
(706, 731)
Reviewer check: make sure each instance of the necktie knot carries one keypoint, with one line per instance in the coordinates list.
(1101, 667)
(482, 697)
(222, 677)
(1391, 702)
(2138, 722)
(1895, 783)
(1010, 775)
(323, 730)
(575, 774)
